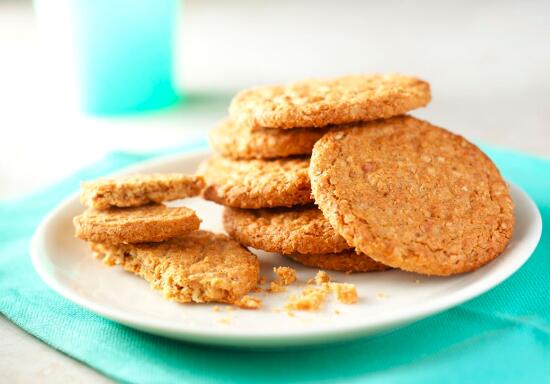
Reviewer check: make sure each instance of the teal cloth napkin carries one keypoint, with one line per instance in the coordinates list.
(502, 336)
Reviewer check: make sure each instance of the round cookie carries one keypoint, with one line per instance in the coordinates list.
(199, 266)
(412, 196)
(135, 225)
(241, 141)
(283, 230)
(256, 183)
(346, 261)
(318, 102)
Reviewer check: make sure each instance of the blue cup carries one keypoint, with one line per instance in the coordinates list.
(123, 52)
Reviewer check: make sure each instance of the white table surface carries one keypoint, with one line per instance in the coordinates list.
(487, 63)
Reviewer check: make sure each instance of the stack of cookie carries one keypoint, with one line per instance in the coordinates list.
(393, 191)
(127, 224)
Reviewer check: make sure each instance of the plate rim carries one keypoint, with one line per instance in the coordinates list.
(241, 338)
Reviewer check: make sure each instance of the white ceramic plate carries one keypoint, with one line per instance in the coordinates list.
(387, 299)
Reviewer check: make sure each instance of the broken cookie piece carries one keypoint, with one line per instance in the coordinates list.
(197, 267)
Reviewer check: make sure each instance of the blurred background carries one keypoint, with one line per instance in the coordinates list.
(487, 62)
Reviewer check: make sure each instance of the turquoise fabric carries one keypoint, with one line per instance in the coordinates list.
(502, 337)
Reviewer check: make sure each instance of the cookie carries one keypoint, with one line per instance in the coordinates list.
(318, 102)
(240, 141)
(134, 225)
(345, 261)
(283, 230)
(256, 183)
(197, 267)
(136, 190)
(412, 196)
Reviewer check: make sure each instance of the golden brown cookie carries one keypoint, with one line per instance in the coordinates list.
(134, 225)
(318, 102)
(283, 230)
(412, 196)
(136, 190)
(345, 261)
(197, 267)
(241, 141)
(256, 183)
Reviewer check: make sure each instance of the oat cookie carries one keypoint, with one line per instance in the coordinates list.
(345, 261)
(412, 196)
(197, 267)
(256, 183)
(134, 225)
(241, 141)
(140, 189)
(318, 102)
(283, 230)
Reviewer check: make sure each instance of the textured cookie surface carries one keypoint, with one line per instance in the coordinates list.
(241, 141)
(197, 267)
(283, 230)
(318, 103)
(256, 183)
(412, 196)
(136, 190)
(345, 261)
(134, 225)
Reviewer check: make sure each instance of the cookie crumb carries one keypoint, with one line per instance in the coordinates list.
(285, 275)
(216, 308)
(417, 281)
(322, 277)
(249, 302)
(290, 313)
(381, 295)
(224, 320)
(337, 312)
(339, 135)
(345, 293)
(276, 287)
(311, 299)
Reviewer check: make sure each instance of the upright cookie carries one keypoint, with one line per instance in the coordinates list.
(200, 266)
(256, 183)
(345, 261)
(136, 190)
(241, 141)
(318, 103)
(135, 225)
(283, 230)
(412, 196)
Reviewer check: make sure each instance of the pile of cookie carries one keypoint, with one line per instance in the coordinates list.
(127, 224)
(334, 175)
(330, 173)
